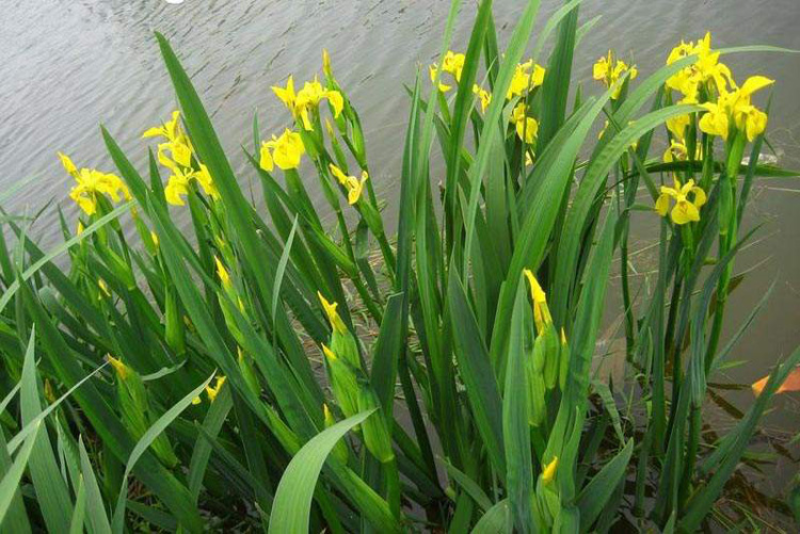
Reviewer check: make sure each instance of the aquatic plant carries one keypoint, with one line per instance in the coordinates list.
(269, 371)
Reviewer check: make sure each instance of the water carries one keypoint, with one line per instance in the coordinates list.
(68, 65)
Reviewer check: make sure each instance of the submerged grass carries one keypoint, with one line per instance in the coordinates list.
(272, 373)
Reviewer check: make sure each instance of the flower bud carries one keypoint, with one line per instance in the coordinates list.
(343, 344)
(135, 408)
(326, 65)
(537, 410)
(340, 449)
(343, 382)
(549, 340)
(376, 432)
(248, 372)
(174, 329)
(563, 357)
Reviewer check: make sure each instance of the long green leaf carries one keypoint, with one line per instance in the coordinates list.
(118, 524)
(292, 506)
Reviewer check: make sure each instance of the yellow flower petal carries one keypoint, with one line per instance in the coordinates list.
(699, 197)
(265, 161)
(122, 370)
(69, 166)
(755, 124)
(222, 273)
(286, 94)
(549, 471)
(684, 212)
(333, 316)
(753, 84)
(337, 102)
(662, 204)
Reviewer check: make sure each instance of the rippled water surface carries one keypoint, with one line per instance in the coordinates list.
(68, 65)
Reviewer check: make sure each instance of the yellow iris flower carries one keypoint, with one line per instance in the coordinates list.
(176, 154)
(706, 67)
(452, 64)
(170, 129)
(527, 127)
(434, 70)
(90, 183)
(177, 186)
(286, 94)
(286, 151)
(308, 99)
(609, 71)
(734, 108)
(685, 210)
(354, 186)
(523, 80)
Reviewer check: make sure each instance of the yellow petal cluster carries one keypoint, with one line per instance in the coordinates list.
(176, 153)
(527, 127)
(354, 186)
(307, 100)
(609, 70)
(733, 108)
(284, 151)
(688, 200)
(524, 80)
(527, 76)
(452, 64)
(728, 106)
(706, 68)
(90, 183)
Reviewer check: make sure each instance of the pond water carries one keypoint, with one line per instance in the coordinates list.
(68, 65)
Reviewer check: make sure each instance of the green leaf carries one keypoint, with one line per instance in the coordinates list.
(516, 430)
(212, 424)
(79, 512)
(594, 496)
(491, 131)
(63, 247)
(98, 517)
(118, 524)
(387, 352)
(477, 373)
(470, 486)
(51, 489)
(10, 483)
(496, 520)
(292, 506)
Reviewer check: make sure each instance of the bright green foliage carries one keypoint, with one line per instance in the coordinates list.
(270, 371)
